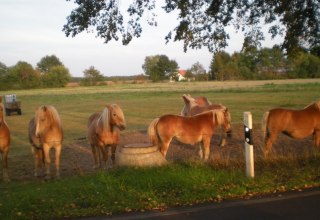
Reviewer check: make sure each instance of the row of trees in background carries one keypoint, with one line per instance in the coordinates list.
(50, 72)
(265, 63)
(249, 64)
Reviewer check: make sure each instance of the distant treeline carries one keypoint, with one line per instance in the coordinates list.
(250, 64)
(265, 63)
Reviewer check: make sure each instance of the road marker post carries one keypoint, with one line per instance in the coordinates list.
(247, 119)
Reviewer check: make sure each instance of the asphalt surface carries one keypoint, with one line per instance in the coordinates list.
(294, 205)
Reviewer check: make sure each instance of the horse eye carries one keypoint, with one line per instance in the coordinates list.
(114, 115)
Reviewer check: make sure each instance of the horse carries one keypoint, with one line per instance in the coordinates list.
(189, 130)
(297, 124)
(45, 132)
(103, 131)
(193, 107)
(4, 142)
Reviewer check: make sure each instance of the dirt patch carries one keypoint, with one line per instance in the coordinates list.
(76, 159)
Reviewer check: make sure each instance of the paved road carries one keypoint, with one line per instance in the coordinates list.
(298, 205)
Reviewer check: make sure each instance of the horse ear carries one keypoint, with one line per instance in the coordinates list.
(45, 108)
(0, 99)
(185, 99)
(109, 107)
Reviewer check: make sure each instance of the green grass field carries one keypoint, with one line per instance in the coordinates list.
(156, 188)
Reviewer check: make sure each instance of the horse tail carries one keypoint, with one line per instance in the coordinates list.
(152, 132)
(264, 125)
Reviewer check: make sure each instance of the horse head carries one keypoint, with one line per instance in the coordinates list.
(223, 118)
(116, 116)
(46, 117)
(227, 119)
(41, 120)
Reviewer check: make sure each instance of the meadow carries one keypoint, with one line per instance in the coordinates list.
(118, 190)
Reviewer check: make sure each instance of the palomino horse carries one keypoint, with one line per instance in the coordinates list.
(104, 131)
(193, 107)
(4, 142)
(294, 123)
(188, 130)
(45, 132)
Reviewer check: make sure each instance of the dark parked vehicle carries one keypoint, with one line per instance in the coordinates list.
(11, 104)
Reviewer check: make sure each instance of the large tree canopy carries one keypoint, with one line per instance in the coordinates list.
(159, 67)
(203, 23)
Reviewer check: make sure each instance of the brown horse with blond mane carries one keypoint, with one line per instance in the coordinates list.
(104, 132)
(4, 142)
(194, 106)
(45, 132)
(188, 130)
(294, 123)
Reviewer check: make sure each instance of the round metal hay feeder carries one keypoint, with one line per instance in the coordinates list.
(139, 155)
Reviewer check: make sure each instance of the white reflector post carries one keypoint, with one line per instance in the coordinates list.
(247, 119)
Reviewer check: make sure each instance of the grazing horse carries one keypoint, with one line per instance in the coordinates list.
(294, 123)
(188, 130)
(45, 132)
(4, 142)
(193, 107)
(104, 131)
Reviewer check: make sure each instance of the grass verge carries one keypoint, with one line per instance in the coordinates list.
(142, 189)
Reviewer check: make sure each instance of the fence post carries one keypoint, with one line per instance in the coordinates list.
(247, 119)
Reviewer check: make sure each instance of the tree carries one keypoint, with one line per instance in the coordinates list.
(47, 62)
(57, 76)
(3, 69)
(22, 76)
(159, 67)
(218, 65)
(197, 70)
(92, 76)
(203, 23)
(305, 65)
(271, 63)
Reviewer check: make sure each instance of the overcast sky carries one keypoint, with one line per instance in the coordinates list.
(32, 29)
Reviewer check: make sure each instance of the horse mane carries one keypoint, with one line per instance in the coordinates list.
(105, 118)
(219, 115)
(315, 104)
(52, 112)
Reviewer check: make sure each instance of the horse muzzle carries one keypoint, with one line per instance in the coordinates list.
(229, 133)
(122, 127)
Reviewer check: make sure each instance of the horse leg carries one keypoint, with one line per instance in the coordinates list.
(105, 154)
(165, 145)
(5, 165)
(37, 160)
(201, 155)
(206, 144)
(270, 138)
(46, 150)
(57, 159)
(316, 139)
(113, 153)
(223, 139)
(95, 154)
